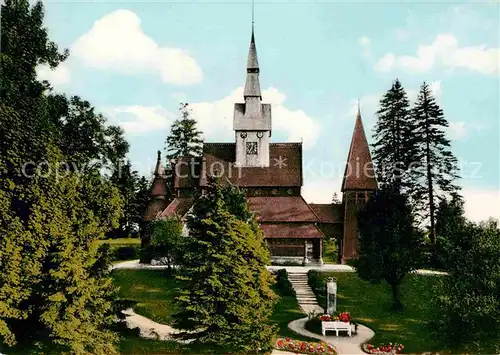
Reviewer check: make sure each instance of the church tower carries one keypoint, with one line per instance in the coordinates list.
(252, 119)
(358, 184)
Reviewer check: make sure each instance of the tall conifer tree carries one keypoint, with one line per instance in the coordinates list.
(393, 149)
(437, 165)
(184, 139)
(227, 299)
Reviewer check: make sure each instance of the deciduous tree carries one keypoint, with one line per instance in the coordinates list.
(389, 244)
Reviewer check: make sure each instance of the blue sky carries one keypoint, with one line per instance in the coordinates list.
(135, 61)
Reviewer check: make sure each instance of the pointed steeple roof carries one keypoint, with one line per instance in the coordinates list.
(159, 169)
(359, 173)
(252, 84)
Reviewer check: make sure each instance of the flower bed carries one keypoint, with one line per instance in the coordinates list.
(341, 316)
(304, 347)
(391, 348)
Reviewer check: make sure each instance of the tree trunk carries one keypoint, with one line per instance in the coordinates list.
(397, 305)
(430, 187)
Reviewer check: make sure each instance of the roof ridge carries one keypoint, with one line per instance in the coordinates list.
(314, 213)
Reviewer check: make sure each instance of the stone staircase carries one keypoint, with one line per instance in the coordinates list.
(305, 295)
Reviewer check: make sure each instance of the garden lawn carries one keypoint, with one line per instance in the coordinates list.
(154, 291)
(371, 305)
(121, 241)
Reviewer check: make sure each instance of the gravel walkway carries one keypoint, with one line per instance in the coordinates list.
(134, 264)
(344, 345)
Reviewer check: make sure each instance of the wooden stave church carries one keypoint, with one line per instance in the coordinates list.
(271, 176)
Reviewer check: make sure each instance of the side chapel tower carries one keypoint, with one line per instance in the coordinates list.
(358, 184)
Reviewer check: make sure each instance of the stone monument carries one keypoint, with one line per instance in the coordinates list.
(331, 295)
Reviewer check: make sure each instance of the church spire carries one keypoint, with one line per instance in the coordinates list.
(252, 84)
(359, 173)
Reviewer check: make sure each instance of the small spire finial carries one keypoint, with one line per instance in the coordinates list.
(159, 155)
(359, 108)
(253, 14)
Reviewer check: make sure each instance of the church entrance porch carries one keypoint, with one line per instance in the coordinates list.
(295, 250)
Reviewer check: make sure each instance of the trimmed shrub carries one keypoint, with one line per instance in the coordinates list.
(126, 252)
(284, 284)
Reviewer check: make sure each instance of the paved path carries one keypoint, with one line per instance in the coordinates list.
(305, 296)
(153, 330)
(134, 264)
(344, 345)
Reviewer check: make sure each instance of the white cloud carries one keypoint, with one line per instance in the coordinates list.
(458, 130)
(117, 42)
(321, 191)
(444, 51)
(140, 119)
(480, 204)
(216, 118)
(59, 76)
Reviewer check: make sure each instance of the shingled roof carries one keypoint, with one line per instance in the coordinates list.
(290, 230)
(328, 213)
(178, 207)
(359, 173)
(285, 166)
(281, 209)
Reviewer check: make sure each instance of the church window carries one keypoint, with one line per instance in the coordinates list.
(251, 148)
(274, 192)
(243, 135)
(260, 134)
(289, 191)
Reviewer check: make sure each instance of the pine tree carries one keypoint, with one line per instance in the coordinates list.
(227, 299)
(439, 169)
(393, 147)
(389, 244)
(184, 139)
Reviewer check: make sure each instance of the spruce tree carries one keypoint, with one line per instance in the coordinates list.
(227, 299)
(389, 244)
(438, 166)
(184, 139)
(393, 146)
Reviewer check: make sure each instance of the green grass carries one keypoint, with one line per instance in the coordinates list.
(371, 305)
(153, 290)
(120, 241)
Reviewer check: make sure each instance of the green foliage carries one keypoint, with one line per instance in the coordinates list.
(450, 220)
(55, 292)
(135, 196)
(372, 305)
(58, 293)
(283, 283)
(330, 250)
(389, 245)
(393, 147)
(166, 244)
(227, 298)
(439, 168)
(469, 300)
(184, 139)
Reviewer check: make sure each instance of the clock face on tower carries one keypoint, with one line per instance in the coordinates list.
(251, 148)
